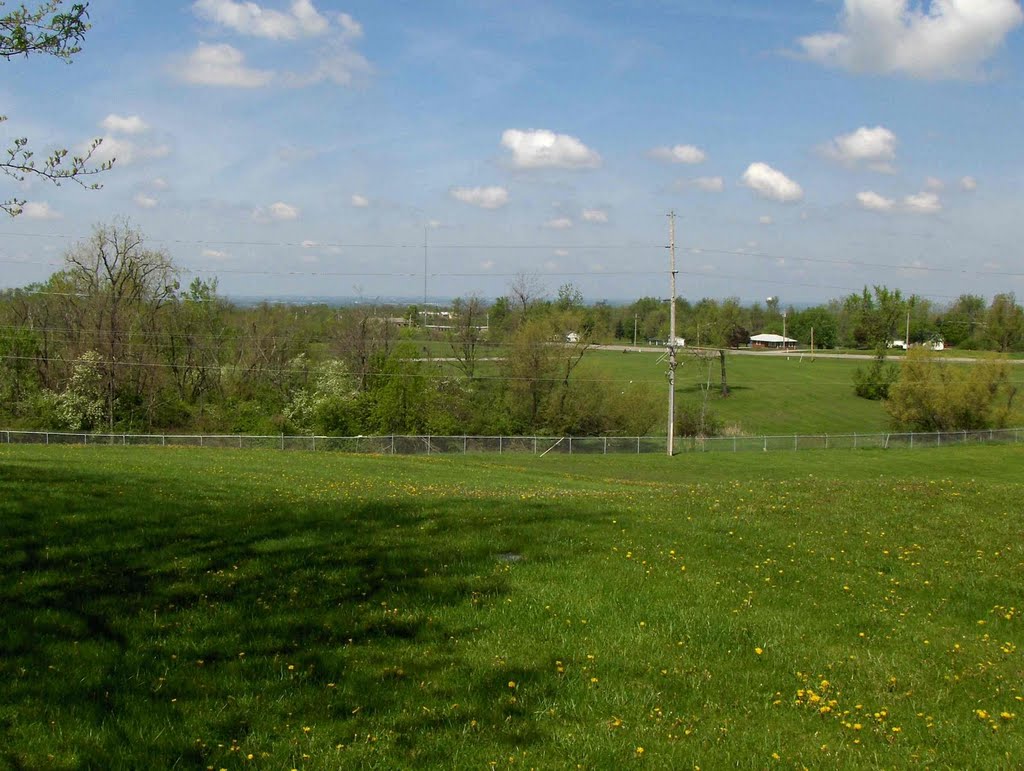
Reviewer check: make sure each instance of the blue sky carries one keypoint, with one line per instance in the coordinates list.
(310, 146)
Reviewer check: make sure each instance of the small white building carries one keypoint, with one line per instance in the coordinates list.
(572, 337)
(901, 344)
(768, 340)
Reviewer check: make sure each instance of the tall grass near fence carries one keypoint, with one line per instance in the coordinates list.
(255, 609)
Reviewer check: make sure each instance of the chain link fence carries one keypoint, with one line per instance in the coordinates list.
(532, 445)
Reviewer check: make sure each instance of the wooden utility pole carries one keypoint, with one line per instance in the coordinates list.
(672, 335)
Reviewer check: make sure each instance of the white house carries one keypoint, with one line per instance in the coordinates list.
(768, 340)
(572, 337)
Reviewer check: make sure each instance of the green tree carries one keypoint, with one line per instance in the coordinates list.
(52, 29)
(1004, 323)
(875, 382)
(934, 395)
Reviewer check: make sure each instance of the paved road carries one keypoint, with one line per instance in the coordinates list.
(799, 352)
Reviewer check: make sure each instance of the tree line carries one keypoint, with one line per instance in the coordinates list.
(115, 341)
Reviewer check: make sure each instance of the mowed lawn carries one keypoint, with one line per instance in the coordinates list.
(779, 394)
(224, 609)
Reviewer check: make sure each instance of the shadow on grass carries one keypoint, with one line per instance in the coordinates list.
(180, 623)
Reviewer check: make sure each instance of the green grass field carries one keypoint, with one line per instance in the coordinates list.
(770, 395)
(223, 609)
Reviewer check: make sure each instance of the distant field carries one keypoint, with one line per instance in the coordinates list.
(770, 395)
(224, 609)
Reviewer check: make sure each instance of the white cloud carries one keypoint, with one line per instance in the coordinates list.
(485, 197)
(338, 63)
(771, 183)
(39, 210)
(559, 223)
(968, 184)
(558, 253)
(309, 244)
(221, 65)
(710, 184)
(922, 203)
(359, 201)
(940, 39)
(766, 220)
(350, 28)
(487, 265)
(679, 154)
(130, 124)
(934, 183)
(214, 254)
(599, 216)
(540, 148)
(126, 151)
(159, 183)
(145, 200)
(872, 201)
(248, 18)
(279, 212)
(875, 147)
(283, 211)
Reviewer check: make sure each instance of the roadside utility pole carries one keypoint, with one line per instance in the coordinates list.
(672, 335)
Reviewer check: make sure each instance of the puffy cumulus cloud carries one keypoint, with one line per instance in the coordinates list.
(40, 210)
(359, 201)
(126, 151)
(943, 39)
(679, 154)
(277, 212)
(559, 223)
(541, 149)
(872, 201)
(765, 220)
(771, 183)
(248, 18)
(492, 197)
(968, 184)
(159, 183)
(128, 124)
(598, 216)
(145, 200)
(221, 65)
(922, 203)
(875, 147)
(214, 254)
(934, 183)
(336, 61)
(709, 184)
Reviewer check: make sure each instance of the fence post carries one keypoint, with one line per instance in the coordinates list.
(826, 441)
(428, 444)
(638, 445)
(570, 445)
(200, 440)
(501, 441)
(734, 444)
(282, 440)
(534, 445)
(465, 443)
(794, 442)
(911, 440)
(314, 442)
(765, 443)
(938, 439)
(392, 444)
(47, 437)
(606, 445)
(855, 440)
(163, 439)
